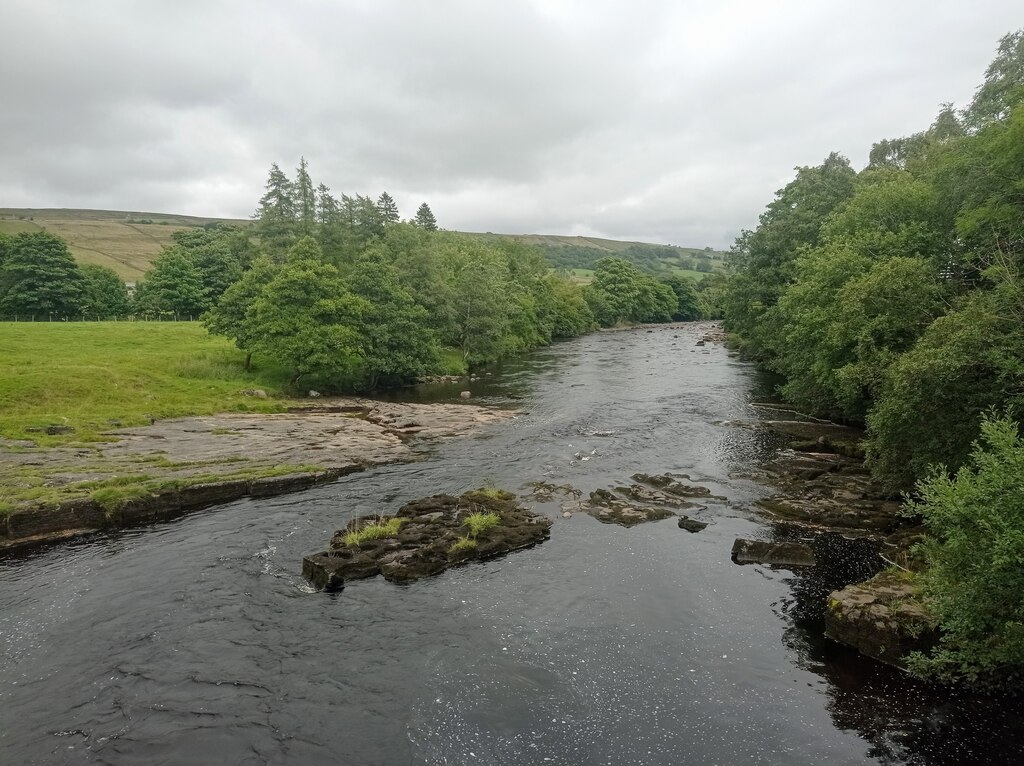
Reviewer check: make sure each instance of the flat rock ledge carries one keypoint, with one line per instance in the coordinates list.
(883, 618)
(783, 554)
(429, 536)
(186, 464)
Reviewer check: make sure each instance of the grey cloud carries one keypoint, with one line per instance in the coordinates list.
(656, 120)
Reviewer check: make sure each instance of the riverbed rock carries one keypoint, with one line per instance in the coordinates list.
(611, 509)
(692, 525)
(669, 484)
(786, 554)
(431, 536)
(884, 618)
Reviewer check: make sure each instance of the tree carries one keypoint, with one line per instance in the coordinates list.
(687, 306)
(966, 363)
(1003, 87)
(765, 256)
(388, 209)
(398, 343)
(425, 218)
(307, 319)
(974, 580)
(228, 316)
(305, 198)
(38, 277)
(173, 287)
(619, 292)
(275, 216)
(104, 294)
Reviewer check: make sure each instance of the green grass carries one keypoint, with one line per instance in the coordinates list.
(481, 522)
(452, 362)
(378, 529)
(93, 375)
(462, 544)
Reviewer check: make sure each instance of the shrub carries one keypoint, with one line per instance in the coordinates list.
(974, 581)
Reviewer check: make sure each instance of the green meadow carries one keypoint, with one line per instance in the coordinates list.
(95, 375)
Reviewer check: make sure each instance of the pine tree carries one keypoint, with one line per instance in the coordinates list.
(275, 217)
(425, 218)
(305, 198)
(388, 209)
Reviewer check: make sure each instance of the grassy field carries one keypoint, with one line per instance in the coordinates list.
(124, 241)
(91, 375)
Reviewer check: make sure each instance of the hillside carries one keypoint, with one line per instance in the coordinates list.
(128, 241)
(125, 241)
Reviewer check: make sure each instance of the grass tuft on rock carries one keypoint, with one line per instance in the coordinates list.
(462, 545)
(480, 522)
(374, 531)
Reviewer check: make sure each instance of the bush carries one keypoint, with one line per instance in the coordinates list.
(974, 581)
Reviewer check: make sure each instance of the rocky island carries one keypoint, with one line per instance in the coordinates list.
(425, 537)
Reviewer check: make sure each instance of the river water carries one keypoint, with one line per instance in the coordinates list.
(197, 641)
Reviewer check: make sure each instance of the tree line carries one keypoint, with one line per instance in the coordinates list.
(893, 297)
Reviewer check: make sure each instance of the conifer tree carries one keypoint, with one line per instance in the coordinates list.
(425, 218)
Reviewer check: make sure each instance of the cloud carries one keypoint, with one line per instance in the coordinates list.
(656, 120)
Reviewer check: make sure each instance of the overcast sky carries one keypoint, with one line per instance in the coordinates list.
(657, 120)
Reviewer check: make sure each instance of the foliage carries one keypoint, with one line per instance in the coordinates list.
(384, 527)
(621, 293)
(687, 306)
(38, 277)
(307, 319)
(104, 295)
(893, 297)
(480, 522)
(974, 581)
(173, 288)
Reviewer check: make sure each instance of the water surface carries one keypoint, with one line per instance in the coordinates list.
(197, 641)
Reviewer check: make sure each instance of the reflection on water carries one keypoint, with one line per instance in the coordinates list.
(197, 641)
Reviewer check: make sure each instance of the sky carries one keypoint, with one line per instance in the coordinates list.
(668, 121)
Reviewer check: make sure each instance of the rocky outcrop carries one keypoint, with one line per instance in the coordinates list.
(784, 554)
(425, 537)
(884, 617)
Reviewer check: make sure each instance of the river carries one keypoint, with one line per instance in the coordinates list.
(197, 640)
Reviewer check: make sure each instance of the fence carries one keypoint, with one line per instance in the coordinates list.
(128, 318)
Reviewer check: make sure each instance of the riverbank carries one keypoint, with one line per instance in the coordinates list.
(173, 466)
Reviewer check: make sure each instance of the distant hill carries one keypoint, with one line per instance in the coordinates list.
(125, 241)
(128, 241)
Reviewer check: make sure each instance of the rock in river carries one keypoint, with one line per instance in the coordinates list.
(884, 617)
(426, 537)
(779, 554)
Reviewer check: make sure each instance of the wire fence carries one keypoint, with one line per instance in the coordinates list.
(88, 318)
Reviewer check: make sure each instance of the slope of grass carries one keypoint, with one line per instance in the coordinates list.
(124, 241)
(92, 375)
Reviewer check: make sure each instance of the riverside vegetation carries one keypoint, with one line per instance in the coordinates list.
(894, 298)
